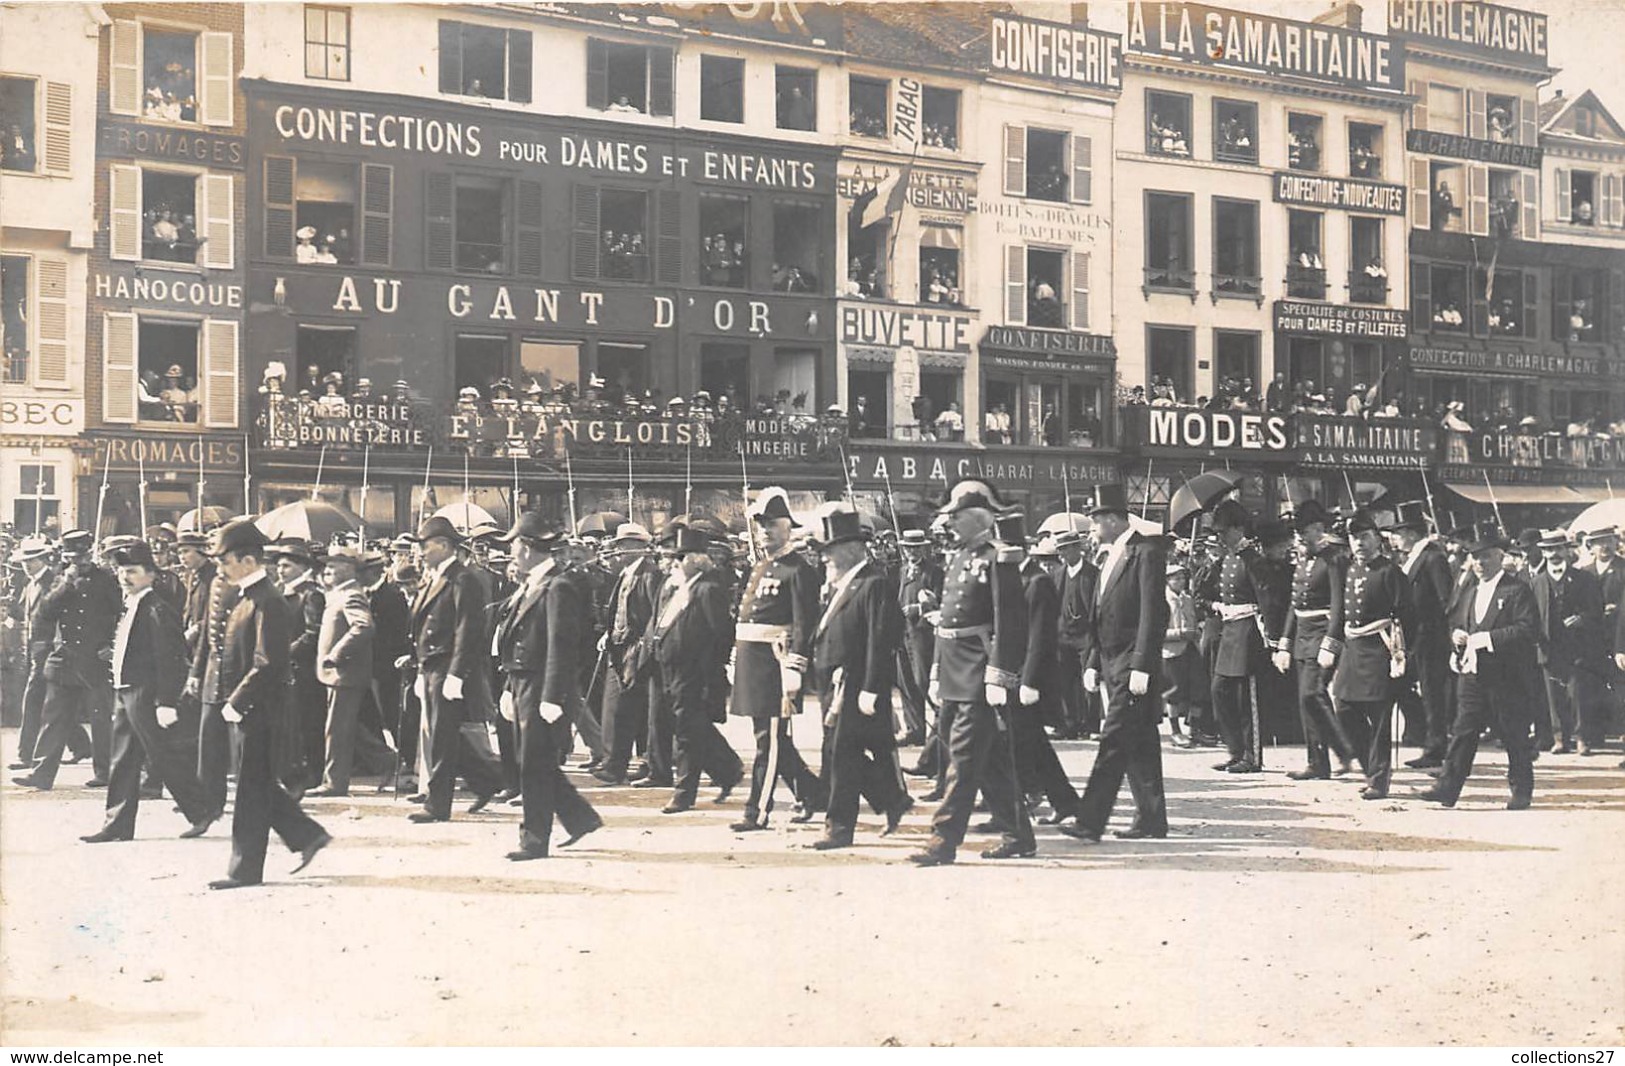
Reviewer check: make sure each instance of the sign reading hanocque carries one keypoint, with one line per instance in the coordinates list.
(1056, 52)
(1341, 320)
(1348, 194)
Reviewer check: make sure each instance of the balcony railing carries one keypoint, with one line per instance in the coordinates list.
(1306, 283)
(1367, 289)
(1245, 286)
(1170, 279)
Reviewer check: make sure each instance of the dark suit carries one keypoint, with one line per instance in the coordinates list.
(626, 681)
(36, 641)
(214, 737)
(81, 610)
(1239, 580)
(1038, 768)
(1502, 687)
(1076, 649)
(391, 639)
(1612, 577)
(1376, 594)
(448, 627)
(1572, 655)
(254, 674)
(914, 651)
(149, 675)
(539, 651)
(305, 753)
(344, 654)
(1131, 621)
(692, 648)
(1424, 699)
(1316, 610)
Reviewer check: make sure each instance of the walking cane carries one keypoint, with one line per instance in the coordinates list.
(1258, 733)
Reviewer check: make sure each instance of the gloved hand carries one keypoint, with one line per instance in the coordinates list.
(1282, 661)
(868, 702)
(1326, 659)
(1139, 682)
(1479, 641)
(230, 713)
(551, 712)
(191, 632)
(167, 716)
(1028, 695)
(330, 664)
(790, 679)
(933, 691)
(1458, 637)
(996, 695)
(452, 687)
(1571, 621)
(193, 687)
(729, 670)
(420, 689)
(400, 663)
(1091, 679)
(1396, 666)
(505, 706)
(933, 618)
(603, 642)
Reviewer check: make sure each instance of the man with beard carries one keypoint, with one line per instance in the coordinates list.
(626, 689)
(1570, 603)
(1236, 586)
(1038, 768)
(919, 591)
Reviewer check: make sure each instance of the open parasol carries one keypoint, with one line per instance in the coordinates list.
(1200, 493)
(314, 520)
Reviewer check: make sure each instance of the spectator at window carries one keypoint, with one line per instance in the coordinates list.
(330, 404)
(1043, 307)
(1448, 315)
(950, 423)
(17, 149)
(1275, 394)
(624, 103)
(177, 397)
(1503, 216)
(1136, 396)
(1375, 270)
(1302, 151)
(924, 416)
(1052, 427)
(1583, 213)
(857, 422)
(1234, 138)
(1050, 183)
(148, 389)
(996, 425)
(795, 110)
(1444, 206)
(306, 251)
(1362, 160)
(1168, 138)
(1580, 320)
(1355, 406)
(1501, 125)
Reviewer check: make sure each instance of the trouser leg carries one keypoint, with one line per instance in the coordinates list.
(124, 776)
(65, 706)
(33, 705)
(343, 712)
(662, 730)
(1230, 698)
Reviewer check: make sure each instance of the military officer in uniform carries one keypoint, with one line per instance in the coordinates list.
(981, 641)
(1376, 617)
(771, 643)
(214, 737)
(1316, 611)
(303, 754)
(162, 541)
(919, 590)
(1233, 586)
(1037, 766)
(1425, 695)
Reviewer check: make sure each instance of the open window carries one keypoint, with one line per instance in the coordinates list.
(549, 363)
(939, 118)
(1502, 117)
(624, 368)
(1368, 273)
(1365, 150)
(1511, 310)
(19, 145)
(169, 231)
(169, 75)
(1451, 305)
(1170, 359)
(15, 313)
(722, 89)
(795, 97)
(1046, 288)
(1506, 211)
(868, 107)
(1305, 270)
(1235, 131)
(165, 74)
(624, 254)
(725, 371)
(168, 388)
(478, 361)
(325, 350)
(798, 257)
(866, 264)
(329, 213)
(1168, 123)
(1046, 165)
(1235, 248)
(1579, 299)
(1168, 244)
(629, 78)
(1447, 185)
(325, 214)
(1582, 185)
(939, 267)
(485, 62)
(1305, 141)
(161, 371)
(1235, 361)
(724, 246)
(481, 206)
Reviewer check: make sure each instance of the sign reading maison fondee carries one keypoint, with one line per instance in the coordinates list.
(1350, 194)
(1218, 36)
(1487, 29)
(1340, 320)
(1433, 142)
(1353, 442)
(1056, 52)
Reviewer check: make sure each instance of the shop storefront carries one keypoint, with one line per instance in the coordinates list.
(37, 442)
(915, 479)
(159, 476)
(1055, 386)
(1342, 348)
(907, 365)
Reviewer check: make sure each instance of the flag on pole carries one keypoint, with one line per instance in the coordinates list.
(887, 198)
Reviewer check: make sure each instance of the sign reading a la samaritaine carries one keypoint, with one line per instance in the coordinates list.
(1486, 29)
(1329, 440)
(1349, 194)
(1057, 52)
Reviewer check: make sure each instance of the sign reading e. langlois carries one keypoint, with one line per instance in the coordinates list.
(1488, 29)
(1217, 36)
(1173, 427)
(1341, 320)
(1350, 194)
(1057, 52)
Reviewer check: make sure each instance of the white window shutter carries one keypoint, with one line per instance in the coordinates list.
(1015, 285)
(1529, 121)
(51, 316)
(1565, 194)
(120, 351)
(1478, 199)
(1421, 195)
(1477, 126)
(1083, 169)
(124, 227)
(220, 247)
(1529, 205)
(124, 69)
(1080, 290)
(1616, 201)
(58, 155)
(1015, 160)
(218, 359)
(1419, 110)
(216, 105)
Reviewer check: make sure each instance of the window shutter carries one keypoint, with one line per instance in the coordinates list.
(220, 248)
(1562, 302)
(1616, 306)
(1015, 285)
(584, 239)
(1478, 300)
(1015, 160)
(660, 81)
(519, 66)
(124, 229)
(1528, 206)
(1531, 305)
(1421, 296)
(1419, 110)
(1616, 200)
(669, 225)
(1476, 125)
(280, 172)
(451, 57)
(377, 213)
(216, 105)
(1080, 290)
(437, 216)
(1565, 194)
(528, 255)
(1478, 199)
(219, 362)
(51, 316)
(1529, 122)
(1083, 163)
(58, 154)
(119, 352)
(597, 75)
(1421, 195)
(124, 75)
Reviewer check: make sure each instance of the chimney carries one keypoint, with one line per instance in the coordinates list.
(1344, 13)
(1080, 13)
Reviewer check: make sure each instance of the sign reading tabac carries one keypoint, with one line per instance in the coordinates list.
(1350, 194)
(1217, 36)
(1057, 52)
(1486, 29)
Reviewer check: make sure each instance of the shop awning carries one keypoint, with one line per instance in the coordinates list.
(939, 236)
(1599, 493)
(1537, 494)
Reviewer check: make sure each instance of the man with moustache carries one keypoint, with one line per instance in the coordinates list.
(631, 608)
(1315, 613)
(34, 556)
(1424, 696)
(344, 658)
(1075, 642)
(1376, 617)
(1237, 586)
(1037, 766)
(304, 754)
(214, 736)
(1570, 603)
(919, 591)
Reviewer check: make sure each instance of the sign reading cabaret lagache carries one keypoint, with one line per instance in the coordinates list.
(1218, 36)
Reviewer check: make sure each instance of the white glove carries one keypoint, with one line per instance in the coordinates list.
(1571, 621)
(452, 687)
(933, 691)
(1028, 695)
(1326, 659)
(790, 679)
(505, 706)
(933, 618)
(192, 686)
(167, 716)
(1091, 679)
(420, 689)
(1458, 637)
(603, 642)
(1396, 666)
(551, 712)
(996, 695)
(1282, 661)
(1139, 682)
(868, 702)
(1478, 642)
(729, 670)
(1619, 660)
(230, 713)
(400, 663)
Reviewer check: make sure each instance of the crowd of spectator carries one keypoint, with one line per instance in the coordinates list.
(939, 135)
(334, 247)
(865, 122)
(171, 397)
(1167, 137)
(625, 257)
(723, 260)
(168, 234)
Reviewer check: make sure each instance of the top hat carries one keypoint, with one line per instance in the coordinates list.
(1108, 499)
(31, 548)
(1409, 514)
(1482, 536)
(773, 503)
(914, 538)
(1230, 514)
(1311, 513)
(240, 534)
(1553, 538)
(292, 548)
(533, 529)
(971, 493)
(840, 524)
(137, 554)
(1363, 520)
(439, 526)
(1273, 531)
(1597, 536)
(1011, 527)
(77, 542)
(686, 539)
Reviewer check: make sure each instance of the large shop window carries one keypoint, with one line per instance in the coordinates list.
(724, 241)
(478, 361)
(170, 75)
(1305, 141)
(795, 97)
(1305, 269)
(1235, 248)
(869, 401)
(550, 364)
(1168, 253)
(325, 350)
(38, 505)
(798, 255)
(1365, 150)
(172, 217)
(1170, 359)
(1048, 165)
(868, 107)
(624, 369)
(159, 371)
(1168, 123)
(939, 267)
(795, 379)
(485, 61)
(313, 215)
(939, 118)
(327, 42)
(725, 371)
(1235, 131)
(1579, 305)
(630, 78)
(722, 89)
(1235, 361)
(1368, 275)
(15, 314)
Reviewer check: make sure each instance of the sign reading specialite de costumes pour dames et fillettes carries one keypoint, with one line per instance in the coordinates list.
(1342, 320)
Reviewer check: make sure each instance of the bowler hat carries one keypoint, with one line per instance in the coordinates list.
(687, 539)
(1363, 521)
(76, 542)
(292, 548)
(1528, 540)
(439, 526)
(1273, 531)
(533, 529)
(137, 554)
(773, 503)
(239, 535)
(1311, 513)
(971, 493)
(1410, 514)
(1108, 499)
(162, 531)
(1229, 515)
(840, 524)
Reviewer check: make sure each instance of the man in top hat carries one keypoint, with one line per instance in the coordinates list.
(856, 652)
(34, 556)
(207, 685)
(149, 668)
(254, 676)
(1038, 768)
(631, 608)
(539, 650)
(981, 642)
(1494, 628)
(1237, 586)
(1569, 600)
(691, 634)
(1075, 644)
(1131, 619)
(448, 638)
(81, 610)
(161, 538)
(1425, 696)
(1376, 618)
(301, 762)
(1315, 614)
(919, 590)
(344, 664)
(774, 636)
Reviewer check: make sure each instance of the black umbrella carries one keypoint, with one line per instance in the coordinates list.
(1200, 493)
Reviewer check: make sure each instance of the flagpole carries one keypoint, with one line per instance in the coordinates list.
(366, 472)
(1066, 488)
(467, 502)
(570, 491)
(248, 486)
(423, 502)
(321, 465)
(1145, 506)
(141, 467)
(513, 504)
(629, 516)
(688, 483)
(101, 496)
(200, 481)
(39, 499)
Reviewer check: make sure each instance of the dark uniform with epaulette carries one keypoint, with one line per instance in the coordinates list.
(916, 576)
(1234, 585)
(214, 739)
(1376, 616)
(1316, 610)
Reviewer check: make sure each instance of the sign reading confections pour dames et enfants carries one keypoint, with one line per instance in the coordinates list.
(1349, 194)
(1217, 36)
(1071, 55)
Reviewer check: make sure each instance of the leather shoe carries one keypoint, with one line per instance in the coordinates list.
(932, 857)
(894, 817)
(575, 837)
(912, 771)
(27, 781)
(481, 802)
(1344, 767)
(201, 826)
(1424, 762)
(322, 793)
(1180, 740)
(308, 852)
(20, 766)
(1373, 793)
(747, 825)
(1245, 766)
(986, 825)
(1562, 747)
(934, 796)
(1519, 803)
(911, 740)
(505, 795)
(676, 807)
(1585, 749)
(1056, 817)
(831, 841)
(1436, 795)
(417, 797)
(724, 791)
(424, 817)
(104, 837)
(1308, 775)
(231, 882)
(96, 782)
(1009, 849)
(651, 782)
(1078, 832)
(525, 855)
(1134, 832)
(609, 777)
(1222, 767)
(805, 812)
